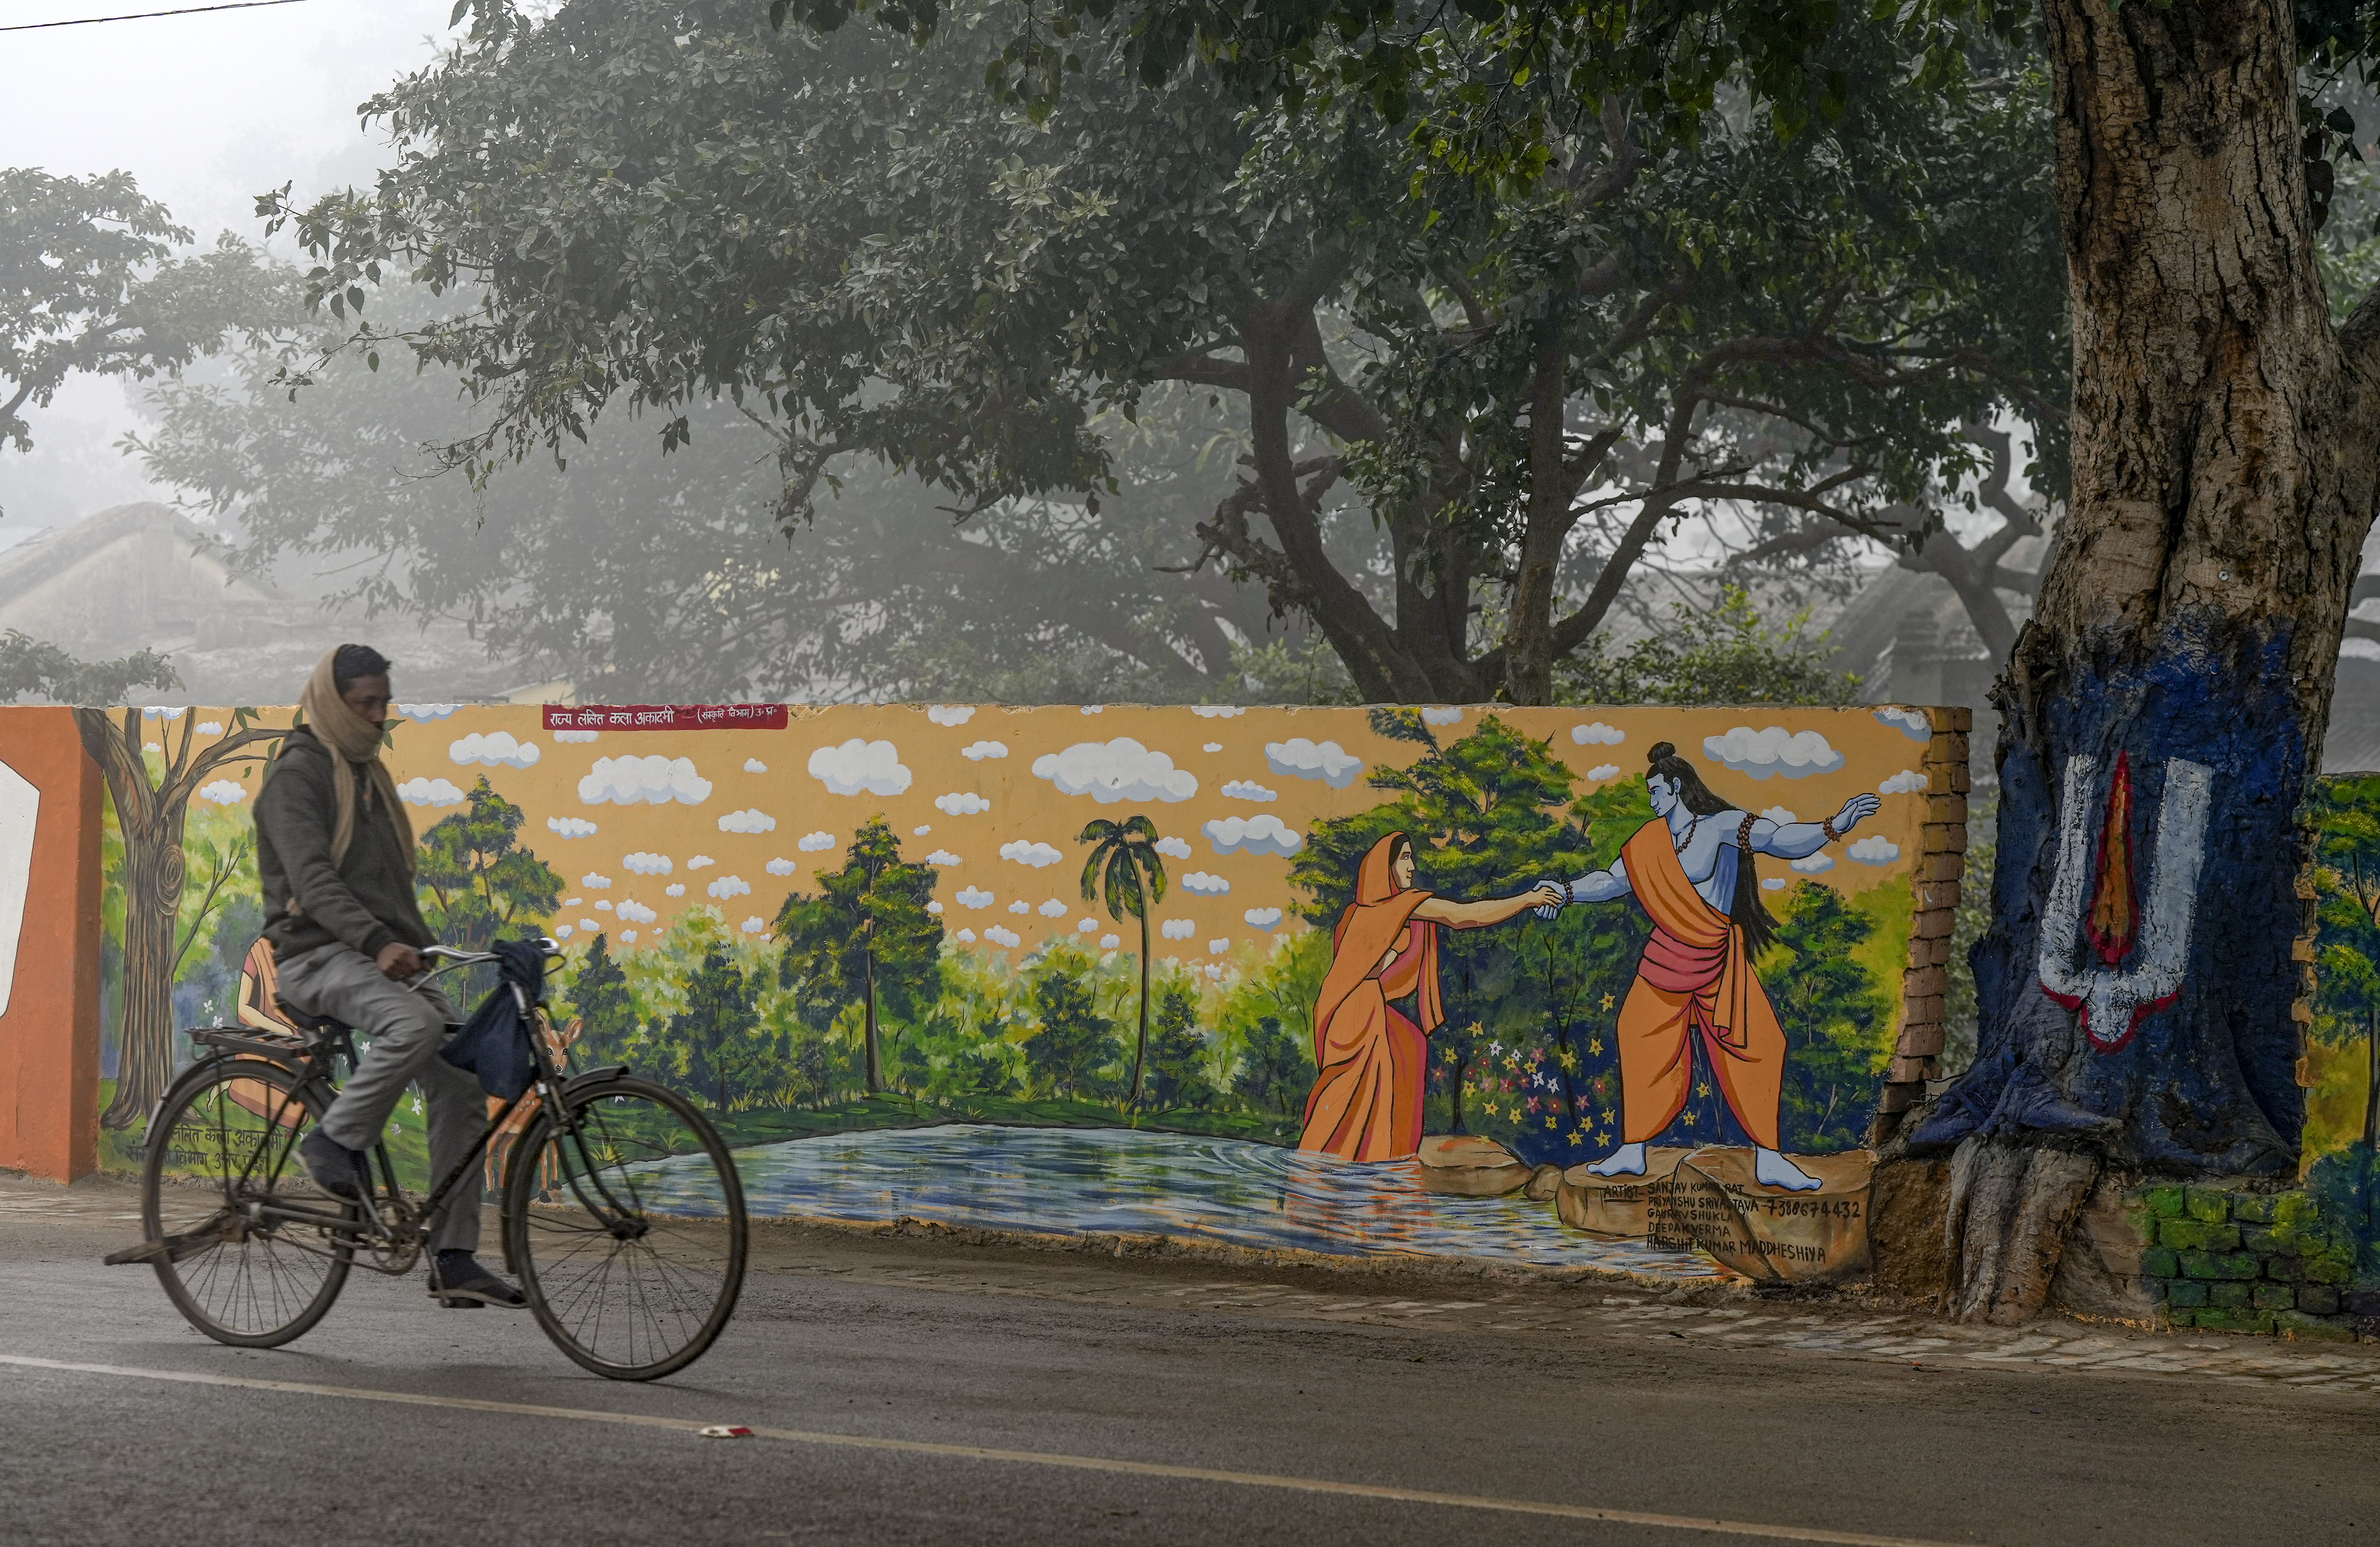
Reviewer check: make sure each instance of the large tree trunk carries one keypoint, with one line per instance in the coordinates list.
(1140, 1049)
(875, 1050)
(2185, 646)
(152, 897)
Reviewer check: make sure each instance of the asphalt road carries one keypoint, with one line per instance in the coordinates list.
(1081, 1363)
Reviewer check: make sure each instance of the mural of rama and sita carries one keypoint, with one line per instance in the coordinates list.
(1604, 988)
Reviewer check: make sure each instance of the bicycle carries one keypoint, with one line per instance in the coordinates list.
(623, 1214)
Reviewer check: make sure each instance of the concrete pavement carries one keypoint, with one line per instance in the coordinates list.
(1793, 1421)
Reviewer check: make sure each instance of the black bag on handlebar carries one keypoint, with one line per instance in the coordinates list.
(494, 1043)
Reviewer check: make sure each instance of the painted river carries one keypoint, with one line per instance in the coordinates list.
(1101, 1181)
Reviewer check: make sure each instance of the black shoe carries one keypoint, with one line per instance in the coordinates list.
(459, 1282)
(337, 1169)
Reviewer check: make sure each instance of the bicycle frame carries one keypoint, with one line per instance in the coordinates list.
(313, 1068)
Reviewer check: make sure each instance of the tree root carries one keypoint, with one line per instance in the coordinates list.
(2012, 1206)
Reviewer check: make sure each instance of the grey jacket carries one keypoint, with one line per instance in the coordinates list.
(366, 902)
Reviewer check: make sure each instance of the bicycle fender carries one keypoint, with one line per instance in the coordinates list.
(593, 1077)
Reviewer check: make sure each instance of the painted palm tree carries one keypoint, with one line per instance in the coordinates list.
(1125, 867)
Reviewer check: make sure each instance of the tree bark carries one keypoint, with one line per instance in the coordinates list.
(875, 1051)
(2225, 443)
(1140, 1049)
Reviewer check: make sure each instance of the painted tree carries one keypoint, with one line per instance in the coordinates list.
(1178, 1053)
(866, 936)
(2163, 710)
(1072, 1043)
(1836, 1023)
(604, 1006)
(711, 1036)
(478, 880)
(1125, 871)
(151, 812)
(2347, 945)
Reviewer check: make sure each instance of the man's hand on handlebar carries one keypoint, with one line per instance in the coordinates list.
(399, 961)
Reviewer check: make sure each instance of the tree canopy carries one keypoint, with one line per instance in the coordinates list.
(1514, 384)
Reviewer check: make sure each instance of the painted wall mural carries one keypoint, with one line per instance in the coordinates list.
(1618, 986)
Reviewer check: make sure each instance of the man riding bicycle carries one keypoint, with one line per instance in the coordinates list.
(334, 851)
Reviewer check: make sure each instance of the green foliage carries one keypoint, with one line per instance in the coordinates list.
(1838, 1021)
(1276, 1070)
(477, 883)
(865, 938)
(1125, 871)
(598, 995)
(1180, 1055)
(1072, 1049)
(30, 668)
(718, 1054)
(878, 258)
(2346, 817)
(1726, 654)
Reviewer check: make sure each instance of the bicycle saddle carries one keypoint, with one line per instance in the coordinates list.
(312, 1025)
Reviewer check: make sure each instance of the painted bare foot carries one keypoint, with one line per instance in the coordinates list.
(1773, 1170)
(1626, 1160)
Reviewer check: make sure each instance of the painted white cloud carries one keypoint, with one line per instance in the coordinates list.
(1008, 938)
(700, 861)
(1173, 847)
(628, 935)
(1218, 710)
(858, 766)
(1247, 790)
(1216, 974)
(570, 827)
(1258, 834)
(648, 864)
(592, 926)
(942, 857)
(163, 712)
(781, 865)
(1300, 759)
(951, 713)
(602, 904)
(935, 908)
(813, 842)
(919, 831)
(635, 912)
(419, 791)
(1597, 734)
(729, 886)
(675, 889)
(1875, 851)
(1020, 906)
(1815, 864)
(1095, 709)
(1907, 781)
(754, 765)
(961, 802)
(1053, 909)
(983, 749)
(754, 925)
(648, 781)
(1212, 746)
(1440, 714)
(1178, 929)
(1087, 926)
(1035, 855)
(747, 822)
(1601, 772)
(1112, 771)
(594, 882)
(222, 792)
(1772, 884)
(210, 727)
(1217, 947)
(975, 897)
(425, 711)
(574, 736)
(967, 935)
(562, 931)
(1200, 884)
(494, 750)
(1910, 723)
(1109, 942)
(1780, 816)
(1795, 754)
(570, 902)
(1262, 918)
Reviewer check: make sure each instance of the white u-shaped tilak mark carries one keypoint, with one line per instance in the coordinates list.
(2111, 1000)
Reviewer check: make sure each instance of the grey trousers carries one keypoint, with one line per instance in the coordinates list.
(406, 1029)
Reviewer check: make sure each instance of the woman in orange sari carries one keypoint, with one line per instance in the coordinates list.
(1372, 1057)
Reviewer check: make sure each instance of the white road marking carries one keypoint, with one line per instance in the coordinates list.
(986, 1453)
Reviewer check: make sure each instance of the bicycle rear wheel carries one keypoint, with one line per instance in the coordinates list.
(219, 1169)
(626, 1226)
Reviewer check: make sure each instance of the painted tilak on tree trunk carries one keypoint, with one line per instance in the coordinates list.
(2109, 999)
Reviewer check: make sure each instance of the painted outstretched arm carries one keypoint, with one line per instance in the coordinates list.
(1490, 910)
(1593, 887)
(1795, 840)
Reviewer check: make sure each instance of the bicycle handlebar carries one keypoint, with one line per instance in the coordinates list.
(547, 946)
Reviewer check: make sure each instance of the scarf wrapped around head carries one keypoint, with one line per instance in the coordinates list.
(354, 744)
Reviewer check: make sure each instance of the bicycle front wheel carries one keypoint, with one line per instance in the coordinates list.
(624, 1218)
(251, 1252)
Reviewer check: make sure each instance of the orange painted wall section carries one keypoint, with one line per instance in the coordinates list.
(49, 1032)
